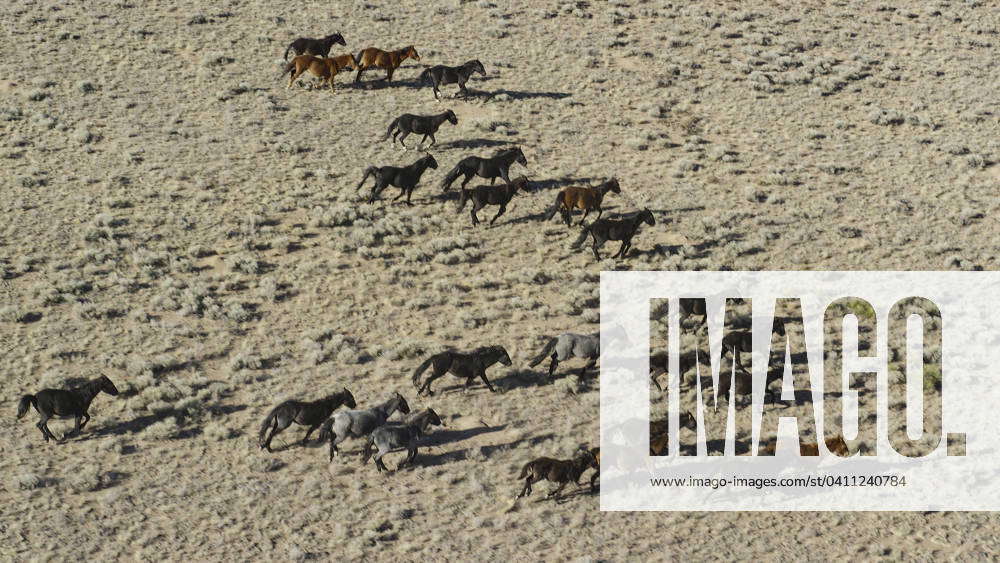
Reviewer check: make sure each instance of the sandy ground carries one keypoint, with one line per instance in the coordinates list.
(176, 219)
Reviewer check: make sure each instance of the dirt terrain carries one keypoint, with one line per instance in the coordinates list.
(178, 220)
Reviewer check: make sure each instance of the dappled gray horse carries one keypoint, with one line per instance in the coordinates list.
(395, 436)
(360, 423)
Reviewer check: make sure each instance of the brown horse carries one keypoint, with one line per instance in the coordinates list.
(323, 68)
(377, 58)
(587, 199)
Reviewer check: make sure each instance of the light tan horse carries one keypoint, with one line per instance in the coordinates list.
(389, 60)
(323, 68)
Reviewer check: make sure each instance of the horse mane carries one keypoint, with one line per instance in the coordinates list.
(483, 349)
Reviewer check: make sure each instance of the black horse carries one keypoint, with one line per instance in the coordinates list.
(490, 168)
(425, 125)
(461, 364)
(311, 414)
(482, 196)
(74, 401)
(604, 230)
(318, 47)
(440, 75)
(405, 178)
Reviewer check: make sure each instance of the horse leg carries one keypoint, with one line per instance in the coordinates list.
(555, 493)
(86, 419)
(621, 251)
(305, 439)
(589, 365)
(388, 74)
(566, 215)
(433, 140)
(595, 247)
(586, 211)
(482, 375)
(499, 213)
(409, 194)
(75, 430)
(411, 454)
(377, 189)
(427, 382)
(277, 426)
(527, 488)
(593, 480)
(44, 428)
(295, 76)
(357, 77)
(436, 97)
(475, 220)
(401, 137)
(599, 211)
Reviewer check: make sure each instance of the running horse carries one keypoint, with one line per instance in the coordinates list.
(74, 402)
(389, 60)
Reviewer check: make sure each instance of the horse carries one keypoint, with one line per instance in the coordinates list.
(360, 423)
(440, 75)
(396, 436)
(310, 46)
(425, 125)
(596, 452)
(570, 345)
(311, 414)
(659, 436)
(74, 402)
(482, 196)
(658, 365)
(557, 471)
(461, 364)
(405, 178)
(490, 168)
(604, 230)
(587, 199)
(323, 68)
(389, 60)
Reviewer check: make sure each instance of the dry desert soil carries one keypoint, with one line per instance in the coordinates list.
(176, 219)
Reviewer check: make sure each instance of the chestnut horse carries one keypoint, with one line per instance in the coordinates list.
(323, 68)
(587, 199)
(389, 60)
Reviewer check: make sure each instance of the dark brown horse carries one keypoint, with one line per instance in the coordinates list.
(405, 178)
(389, 60)
(604, 230)
(318, 47)
(482, 196)
(560, 471)
(491, 168)
(311, 414)
(469, 365)
(74, 402)
(425, 125)
(587, 199)
(440, 75)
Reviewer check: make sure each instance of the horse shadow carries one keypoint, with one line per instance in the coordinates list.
(522, 378)
(512, 94)
(471, 144)
(560, 183)
(428, 460)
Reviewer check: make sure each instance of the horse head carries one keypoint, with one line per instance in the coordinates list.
(520, 157)
(476, 66)
(505, 358)
(348, 398)
(335, 38)
(429, 161)
(647, 217)
(520, 184)
(107, 386)
(433, 418)
(452, 118)
(401, 404)
(411, 52)
(612, 185)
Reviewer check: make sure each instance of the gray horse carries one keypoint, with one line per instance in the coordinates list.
(360, 423)
(570, 345)
(395, 436)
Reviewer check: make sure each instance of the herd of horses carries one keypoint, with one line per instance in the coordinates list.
(375, 424)
(313, 55)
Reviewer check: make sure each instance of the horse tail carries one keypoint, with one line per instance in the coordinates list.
(25, 403)
(555, 208)
(451, 177)
(420, 370)
(286, 52)
(367, 452)
(268, 421)
(466, 194)
(583, 236)
(326, 431)
(392, 126)
(288, 68)
(371, 170)
(546, 351)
